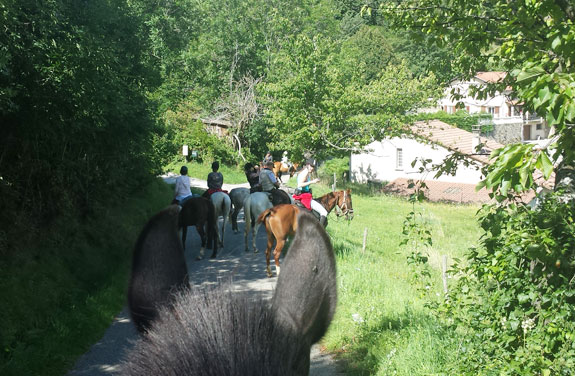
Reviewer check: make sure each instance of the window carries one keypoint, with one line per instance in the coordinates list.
(399, 159)
(539, 126)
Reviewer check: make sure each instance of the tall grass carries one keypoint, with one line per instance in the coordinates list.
(62, 288)
(382, 326)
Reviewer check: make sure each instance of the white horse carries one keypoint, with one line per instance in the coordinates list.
(254, 205)
(222, 204)
(238, 196)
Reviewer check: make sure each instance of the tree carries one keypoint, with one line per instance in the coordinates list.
(316, 102)
(512, 300)
(533, 40)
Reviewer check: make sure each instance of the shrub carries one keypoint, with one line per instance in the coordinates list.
(515, 297)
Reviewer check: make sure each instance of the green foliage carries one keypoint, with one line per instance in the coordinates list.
(183, 128)
(313, 106)
(514, 302)
(511, 170)
(65, 284)
(337, 166)
(76, 125)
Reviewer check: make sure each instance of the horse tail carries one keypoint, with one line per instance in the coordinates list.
(264, 215)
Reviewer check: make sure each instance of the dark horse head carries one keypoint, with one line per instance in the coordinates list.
(220, 332)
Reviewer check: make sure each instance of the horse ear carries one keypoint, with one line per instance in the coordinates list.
(158, 267)
(305, 296)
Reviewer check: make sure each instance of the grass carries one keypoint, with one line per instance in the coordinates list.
(232, 174)
(61, 290)
(381, 325)
(65, 287)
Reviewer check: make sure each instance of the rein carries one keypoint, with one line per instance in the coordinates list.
(343, 207)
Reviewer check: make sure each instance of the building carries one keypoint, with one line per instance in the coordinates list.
(511, 122)
(398, 161)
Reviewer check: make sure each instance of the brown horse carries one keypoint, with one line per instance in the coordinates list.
(281, 222)
(279, 170)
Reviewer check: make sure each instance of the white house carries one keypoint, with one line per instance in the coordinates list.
(390, 160)
(511, 122)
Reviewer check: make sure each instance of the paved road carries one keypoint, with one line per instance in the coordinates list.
(248, 272)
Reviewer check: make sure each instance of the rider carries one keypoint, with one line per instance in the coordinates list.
(253, 176)
(268, 158)
(304, 181)
(183, 191)
(268, 179)
(285, 160)
(215, 181)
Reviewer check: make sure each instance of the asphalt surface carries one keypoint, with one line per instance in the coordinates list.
(247, 270)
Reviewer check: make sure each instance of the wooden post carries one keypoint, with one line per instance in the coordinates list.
(334, 181)
(444, 269)
(364, 240)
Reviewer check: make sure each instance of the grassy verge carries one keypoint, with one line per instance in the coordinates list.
(382, 326)
(232, 174)
(62, 288)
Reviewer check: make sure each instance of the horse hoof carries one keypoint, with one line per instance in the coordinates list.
(199, 258)
(213, 255)
(256, 250)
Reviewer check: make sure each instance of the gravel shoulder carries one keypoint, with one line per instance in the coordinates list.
(247, 270)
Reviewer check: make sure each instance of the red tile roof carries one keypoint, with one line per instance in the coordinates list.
(491, 77)
(454, 139)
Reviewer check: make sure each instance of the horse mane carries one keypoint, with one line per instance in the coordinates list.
(216, 331)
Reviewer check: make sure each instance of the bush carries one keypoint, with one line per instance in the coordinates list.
(337, 166)
(515, 300)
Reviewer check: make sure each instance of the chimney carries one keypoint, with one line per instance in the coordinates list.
(475, 141)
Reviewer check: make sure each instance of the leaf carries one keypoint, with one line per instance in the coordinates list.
(530, 74)
(545, 164)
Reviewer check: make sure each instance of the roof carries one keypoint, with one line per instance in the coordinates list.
(455, 139)
(459, 140)
(491, 77)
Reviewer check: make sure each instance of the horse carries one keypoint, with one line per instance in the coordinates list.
(255, 204)
(238, 196)
(222, 205)
(340, 200)
(199, 212)
(216, 331)
(279, 170)
(280, 222)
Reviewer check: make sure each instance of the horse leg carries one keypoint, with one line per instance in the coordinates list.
(269, 250)
(234, 219)
(277, 252)
(200, 229)
(184, 234)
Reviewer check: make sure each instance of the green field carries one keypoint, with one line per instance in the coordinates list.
(382, 326)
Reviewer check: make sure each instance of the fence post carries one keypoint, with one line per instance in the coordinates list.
(364, 240)
(334, 181)
(444, 274)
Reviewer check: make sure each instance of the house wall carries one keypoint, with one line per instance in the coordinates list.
(497, 105)
(508, 133)
(380, 162)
